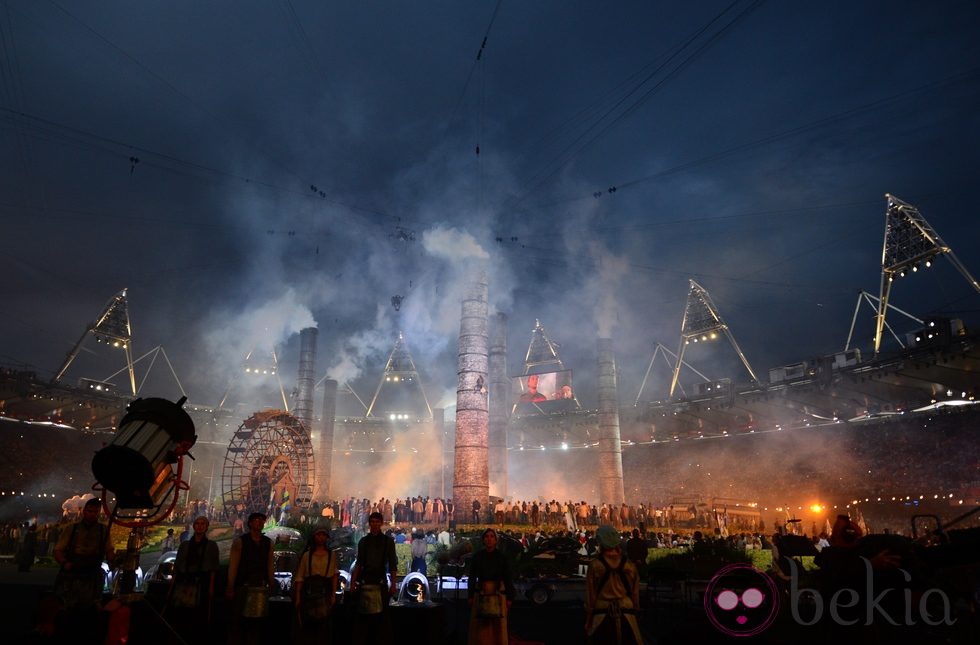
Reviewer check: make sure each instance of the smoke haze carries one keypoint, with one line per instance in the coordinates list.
(350, 166)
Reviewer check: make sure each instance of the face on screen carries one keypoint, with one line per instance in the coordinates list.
(544, 388)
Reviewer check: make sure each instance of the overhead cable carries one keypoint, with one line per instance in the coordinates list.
(784, 134)
(573, 149)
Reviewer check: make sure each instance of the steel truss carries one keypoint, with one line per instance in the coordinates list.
(702, 322)
(113, 328)
(910, 243)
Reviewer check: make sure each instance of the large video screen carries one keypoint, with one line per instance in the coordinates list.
(546, 392)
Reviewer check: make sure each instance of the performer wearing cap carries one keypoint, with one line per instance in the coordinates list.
(315, 588)
(192, 586)
(612, 593)
(249, 573)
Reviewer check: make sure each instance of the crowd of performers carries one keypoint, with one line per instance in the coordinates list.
(435, 511)
(194, 595)
(612, 576)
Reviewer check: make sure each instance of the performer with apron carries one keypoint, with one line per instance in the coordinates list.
(491, 592)
(376, 561)
(315, 589)
(612, 593)
(80, 551)
(192, 587)
(249, 580)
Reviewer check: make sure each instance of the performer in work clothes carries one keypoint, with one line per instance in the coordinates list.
(80, 551)
(376, 560)
(249, 570)
(491, 592)
(192, 587)
(612, 593)
(315, 589)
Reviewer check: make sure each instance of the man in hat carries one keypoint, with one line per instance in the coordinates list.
(249, 570)
(315, 588)
(612, 593)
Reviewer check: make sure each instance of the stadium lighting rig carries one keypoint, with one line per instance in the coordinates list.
(259, 367)
(910, 244)
(111, 328)
(399, 371)
(703, 323)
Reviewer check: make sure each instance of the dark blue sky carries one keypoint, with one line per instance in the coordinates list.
(750, 145)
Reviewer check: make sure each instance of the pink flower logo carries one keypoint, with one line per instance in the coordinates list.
(740, 600)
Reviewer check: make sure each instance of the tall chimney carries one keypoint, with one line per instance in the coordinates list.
(470, 470)
(439, 435)
(307, 377)
(499, 405)
(611, 490)
(324, 458)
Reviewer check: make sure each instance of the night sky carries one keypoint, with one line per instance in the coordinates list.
(247, 169)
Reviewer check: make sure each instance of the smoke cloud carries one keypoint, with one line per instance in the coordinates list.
(247, 216)
(605, 284)
(256, 329)
(452, 244)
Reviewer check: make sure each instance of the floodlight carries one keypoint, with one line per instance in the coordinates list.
(138, 464)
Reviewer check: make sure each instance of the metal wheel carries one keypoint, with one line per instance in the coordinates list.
(269, 464)
(539, 595)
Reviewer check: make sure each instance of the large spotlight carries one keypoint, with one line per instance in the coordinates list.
(137, 466)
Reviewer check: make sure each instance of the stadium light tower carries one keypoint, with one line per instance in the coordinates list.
(111, 328)
(399, 373)
(541, 350)
(703, 323)
(910, 243)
